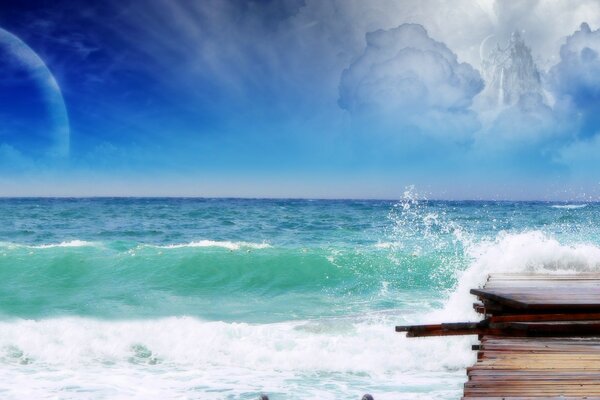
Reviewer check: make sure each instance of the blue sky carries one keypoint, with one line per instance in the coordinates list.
(319, 98)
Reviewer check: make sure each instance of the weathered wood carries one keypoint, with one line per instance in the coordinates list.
(446, 329)
(540, 338)
(508, 328)
(479, 307)
(556, 300)
(545, 317)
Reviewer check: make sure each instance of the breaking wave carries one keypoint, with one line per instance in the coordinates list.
(569, 206)
(224, 244)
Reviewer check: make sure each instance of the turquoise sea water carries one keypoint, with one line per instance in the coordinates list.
(227, 299)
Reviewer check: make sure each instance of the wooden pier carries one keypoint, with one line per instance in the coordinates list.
(539, 338)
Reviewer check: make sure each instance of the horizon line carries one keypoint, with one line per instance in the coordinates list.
(166, 197)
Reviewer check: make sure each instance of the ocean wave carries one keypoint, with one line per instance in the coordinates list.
(568, 206)
(231, 359)
(70, 243)
(526, 252)
(276, 284)
(385, 245)
(230, 245)
(529, 252)
(215, 243)
(241, 357)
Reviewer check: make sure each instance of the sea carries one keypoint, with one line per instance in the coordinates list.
(184, 298)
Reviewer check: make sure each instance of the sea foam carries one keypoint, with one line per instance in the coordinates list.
(530, 252)
(183, 353)
(569, 206)
(215, 243)
(175, 357)
(164, 356)
(69, 243)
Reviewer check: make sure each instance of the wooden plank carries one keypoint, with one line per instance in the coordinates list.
(552, 328)
(446, 329)
(540, 340)
(545, 317)
(508, 328)
(479, 307)
(530, 398)
(562, 367)
(498, 298)
(568, 367)
(563, 301)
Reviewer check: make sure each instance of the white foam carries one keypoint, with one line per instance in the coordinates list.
(531, 251)
(385, 245)
(200, 243)
(172, 357)
(569, 206)
(223, 244)
(330, 358)
(71, 243)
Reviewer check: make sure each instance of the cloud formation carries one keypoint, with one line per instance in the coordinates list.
(256, 87)
(575, 80)
(406, 75)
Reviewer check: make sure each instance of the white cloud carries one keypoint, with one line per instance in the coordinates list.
(528, 122)
(405, 75)
(575, 80)
(295, 47)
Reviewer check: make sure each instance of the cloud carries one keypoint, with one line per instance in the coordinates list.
(222, 81)
(581, 153)
(528, 121)
(290, 54)
(405, 75)
(513, 106)
(575, 80)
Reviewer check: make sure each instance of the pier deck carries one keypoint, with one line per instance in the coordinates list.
(539, 338)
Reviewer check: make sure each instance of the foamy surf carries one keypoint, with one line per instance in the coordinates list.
(243, 359)
(229, 245)
(386, 245)
(222, 244)
(175, 357)
(69, 243)
(568, 206)
(530, 252)
(223, 299)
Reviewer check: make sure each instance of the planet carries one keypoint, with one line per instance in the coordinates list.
(486, 48)
(33, 115)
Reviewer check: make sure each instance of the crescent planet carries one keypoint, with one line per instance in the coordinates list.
(482, 56)
(29, 60)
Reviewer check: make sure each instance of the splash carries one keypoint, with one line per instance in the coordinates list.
(530, 251)
(421, 229)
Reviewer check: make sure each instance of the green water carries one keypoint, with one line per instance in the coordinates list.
(227, 298)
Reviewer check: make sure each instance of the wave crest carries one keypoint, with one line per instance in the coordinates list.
(215, 243)
(568, 206)
(69, 243)
(530, 251)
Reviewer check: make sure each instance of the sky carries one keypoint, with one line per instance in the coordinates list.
(313, 99)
